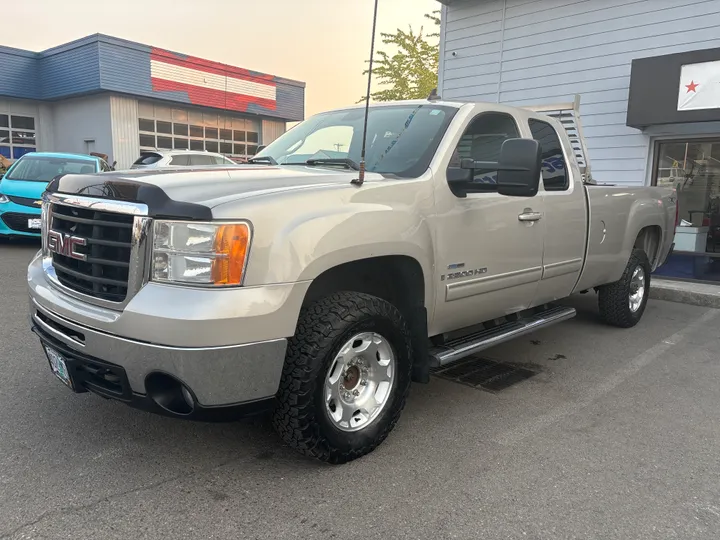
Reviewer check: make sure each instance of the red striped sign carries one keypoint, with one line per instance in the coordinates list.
(211, 84)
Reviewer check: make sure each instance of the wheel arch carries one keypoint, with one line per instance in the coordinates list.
(649, 239)
(398, 279)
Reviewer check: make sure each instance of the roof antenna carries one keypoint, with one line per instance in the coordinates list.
(361, 173)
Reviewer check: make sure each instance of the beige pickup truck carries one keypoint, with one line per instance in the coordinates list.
(285, 285)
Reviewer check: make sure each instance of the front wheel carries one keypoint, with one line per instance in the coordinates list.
(623, 303)
(346, 377)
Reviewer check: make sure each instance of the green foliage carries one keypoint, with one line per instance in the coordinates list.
(411, 72)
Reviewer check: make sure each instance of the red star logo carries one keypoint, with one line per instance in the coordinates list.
(692, 87)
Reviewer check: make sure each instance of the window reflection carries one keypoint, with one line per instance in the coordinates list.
(693, 168)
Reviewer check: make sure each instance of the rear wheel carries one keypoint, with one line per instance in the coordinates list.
(623, 303)
(345, 379)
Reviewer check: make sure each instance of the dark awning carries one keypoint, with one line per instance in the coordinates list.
(660, 95)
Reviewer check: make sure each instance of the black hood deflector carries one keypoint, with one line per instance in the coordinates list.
(108, 186)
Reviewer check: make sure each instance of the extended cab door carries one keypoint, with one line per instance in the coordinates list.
(565, 218)
(488, 246)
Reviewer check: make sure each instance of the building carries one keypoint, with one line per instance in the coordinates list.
(112, 96)
(648, 77)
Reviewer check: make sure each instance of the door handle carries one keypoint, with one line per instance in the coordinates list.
(530, 216)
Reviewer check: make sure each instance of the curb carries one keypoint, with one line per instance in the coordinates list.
(695, 294)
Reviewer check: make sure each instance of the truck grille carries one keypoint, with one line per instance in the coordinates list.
(108, 236)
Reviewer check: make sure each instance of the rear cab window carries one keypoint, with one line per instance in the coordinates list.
(554, 165)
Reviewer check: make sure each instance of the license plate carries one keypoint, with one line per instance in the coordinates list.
(34, 223)
(58, 366)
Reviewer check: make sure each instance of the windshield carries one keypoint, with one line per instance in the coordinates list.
(44, 169)
(401, 139)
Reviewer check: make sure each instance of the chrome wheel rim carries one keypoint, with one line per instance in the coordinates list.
(360, 380)
(637, 289)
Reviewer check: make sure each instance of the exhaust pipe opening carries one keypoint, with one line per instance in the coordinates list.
(169, 393)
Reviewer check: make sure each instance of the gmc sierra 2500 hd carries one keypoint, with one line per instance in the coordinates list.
(282, 284)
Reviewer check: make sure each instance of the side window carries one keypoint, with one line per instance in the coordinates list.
(554, 170)
(180, 161)
(482, 141)
(104, 167)
(199, 159)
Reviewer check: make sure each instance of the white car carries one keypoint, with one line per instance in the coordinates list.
(155, 159)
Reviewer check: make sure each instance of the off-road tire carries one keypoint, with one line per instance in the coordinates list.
(613, 299)
(300, 417)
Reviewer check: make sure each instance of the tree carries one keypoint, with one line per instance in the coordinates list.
(412, 71)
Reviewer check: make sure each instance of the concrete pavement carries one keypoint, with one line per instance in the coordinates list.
(616, 437)
(685, 292)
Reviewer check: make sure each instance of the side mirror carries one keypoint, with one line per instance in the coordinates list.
(459, 178)
(519, 168)
(518, 171)
(459, 175)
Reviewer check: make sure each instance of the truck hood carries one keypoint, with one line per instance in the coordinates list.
(192, 193)
(22, 188)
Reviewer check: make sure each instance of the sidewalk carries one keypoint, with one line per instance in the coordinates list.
(697, 294)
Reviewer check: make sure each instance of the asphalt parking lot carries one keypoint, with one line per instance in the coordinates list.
(615, 437)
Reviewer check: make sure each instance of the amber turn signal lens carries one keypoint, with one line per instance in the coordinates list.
(231, 246)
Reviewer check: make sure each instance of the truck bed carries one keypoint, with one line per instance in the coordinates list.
(616, 216)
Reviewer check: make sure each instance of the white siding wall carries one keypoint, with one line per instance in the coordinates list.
(45, 129)
(533, 52)
(125, 131)
(271, 130)
(82, 125)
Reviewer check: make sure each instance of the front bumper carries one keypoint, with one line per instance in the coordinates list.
(13, 220)
(226, 346)
(217, 376)
(111, 381)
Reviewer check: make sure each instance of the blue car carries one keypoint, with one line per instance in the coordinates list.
(26, 180)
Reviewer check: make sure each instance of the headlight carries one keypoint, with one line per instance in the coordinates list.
(4, 199)
(200, 253)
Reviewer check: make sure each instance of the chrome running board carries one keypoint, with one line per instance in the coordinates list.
(459, 348)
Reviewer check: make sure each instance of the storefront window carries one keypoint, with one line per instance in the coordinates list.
(693, 168)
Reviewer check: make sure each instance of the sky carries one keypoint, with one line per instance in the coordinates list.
(322, 42)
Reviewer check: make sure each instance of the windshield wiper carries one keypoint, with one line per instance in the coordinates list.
(349, 163)
(263, 159)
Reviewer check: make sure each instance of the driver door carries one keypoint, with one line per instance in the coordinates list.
(488, 253)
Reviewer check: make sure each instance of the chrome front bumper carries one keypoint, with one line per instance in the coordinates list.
(228, 347)
(218, 376)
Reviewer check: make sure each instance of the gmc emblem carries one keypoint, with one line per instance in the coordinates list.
(64, 244)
